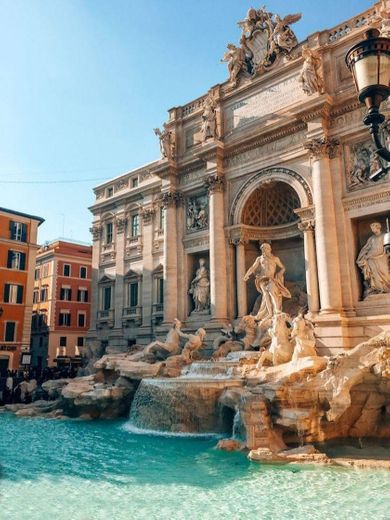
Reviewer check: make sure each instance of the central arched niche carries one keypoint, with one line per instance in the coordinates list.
(269, 211)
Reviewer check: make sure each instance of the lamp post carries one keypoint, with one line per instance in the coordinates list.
(369, 63)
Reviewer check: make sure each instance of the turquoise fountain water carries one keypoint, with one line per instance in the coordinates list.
(98, 470)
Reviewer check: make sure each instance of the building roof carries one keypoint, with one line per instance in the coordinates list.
(20, 214)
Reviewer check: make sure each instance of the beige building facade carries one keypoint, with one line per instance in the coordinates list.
(276, 154)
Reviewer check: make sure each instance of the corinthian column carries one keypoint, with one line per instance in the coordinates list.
(322, 149)
(307, 226)
(240, 273)
(218, 275)
(170, 200)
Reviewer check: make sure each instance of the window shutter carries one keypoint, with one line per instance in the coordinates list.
(6, 293)
(9, 259)
(10, 331)
(12, 230)
(70, 294)
(24, 232)
(23, 261)
(19, 297)
(60, 319)
(86, 296)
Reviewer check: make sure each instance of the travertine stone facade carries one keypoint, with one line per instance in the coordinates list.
(278, 153)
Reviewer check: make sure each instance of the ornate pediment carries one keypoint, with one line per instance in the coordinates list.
(107, 278)
(264, 38)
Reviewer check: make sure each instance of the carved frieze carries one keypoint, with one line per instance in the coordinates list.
(197, 213)
(368, 200)
(361, 162)
(266, 149)
(145, 175)
(322, 147)
(121, 184)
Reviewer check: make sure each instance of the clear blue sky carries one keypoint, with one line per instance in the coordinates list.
(84, 82)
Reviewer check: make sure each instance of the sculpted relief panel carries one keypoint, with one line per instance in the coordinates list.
(197, 213)
(362, 162)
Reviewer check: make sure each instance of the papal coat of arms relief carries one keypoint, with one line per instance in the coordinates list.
(264, 38)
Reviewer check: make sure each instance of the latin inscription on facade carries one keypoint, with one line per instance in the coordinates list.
(254, 107)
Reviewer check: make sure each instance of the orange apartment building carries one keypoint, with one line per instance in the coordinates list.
(18, 248)
(61, 302)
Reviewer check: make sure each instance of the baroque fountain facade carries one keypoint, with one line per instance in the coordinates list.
(241, 282)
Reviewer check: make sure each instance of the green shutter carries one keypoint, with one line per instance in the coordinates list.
(9, 259)
(19, 296)
(6, 293)
(23, 261)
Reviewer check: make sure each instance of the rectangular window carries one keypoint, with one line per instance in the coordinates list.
(110, 192)
(10, 329)
(81, 319)
(37, 273)
(16, 260)
(162, 217)
(36, 296)
(13, 293)
(66, 270)
(82, 295)
(45, 270)
(135, 225)
(80, 341)
(18, 231)
(160, 290)
(106, 298)
(109, 229)
(83, 272)
(133, 294)
(62, 341)
(66, 294)
(44, 294)
(134, 182)
(64, 319)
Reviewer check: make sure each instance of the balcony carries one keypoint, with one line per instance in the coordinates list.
(132, 315)
(157, 313)
(106, 318)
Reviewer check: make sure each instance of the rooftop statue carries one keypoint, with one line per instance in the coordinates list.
(264, 36)
(167, 141)
(311, 77)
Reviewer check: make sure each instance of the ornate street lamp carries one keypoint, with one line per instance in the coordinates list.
(369, 63)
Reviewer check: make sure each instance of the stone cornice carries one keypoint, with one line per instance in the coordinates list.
(367, 199)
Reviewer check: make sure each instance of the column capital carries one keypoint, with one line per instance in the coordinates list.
(120, 224)
(171, 198)
(147, 214)
(215, 183)
(96, 231)
(306, 225)
(322, 147)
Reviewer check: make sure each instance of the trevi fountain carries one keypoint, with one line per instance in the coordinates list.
(276, 405)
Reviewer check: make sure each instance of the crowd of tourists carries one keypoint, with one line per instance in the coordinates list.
(25, 386)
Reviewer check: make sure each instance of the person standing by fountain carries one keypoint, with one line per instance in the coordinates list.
(269, 272)
(200, 288)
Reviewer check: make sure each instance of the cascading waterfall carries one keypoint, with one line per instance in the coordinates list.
(180, 404)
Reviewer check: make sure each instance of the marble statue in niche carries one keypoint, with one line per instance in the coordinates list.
(269, 280)
(374, 263)
(311, 77)
(167, 141)
(200, 289)
(197, 213)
